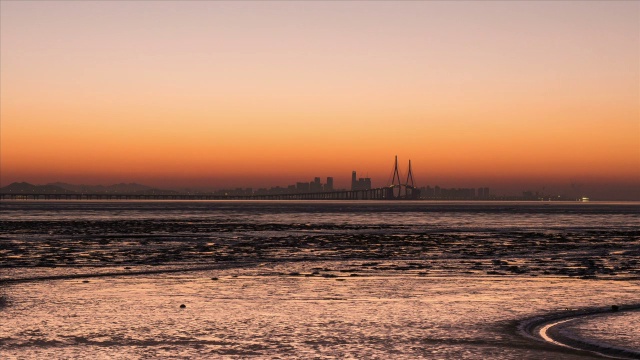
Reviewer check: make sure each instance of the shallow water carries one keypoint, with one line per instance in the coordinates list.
(296, 279)
(267, 315)
(616, 329)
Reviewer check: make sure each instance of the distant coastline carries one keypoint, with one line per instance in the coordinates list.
(133, 191)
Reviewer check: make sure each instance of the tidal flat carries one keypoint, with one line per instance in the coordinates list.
(314, 279)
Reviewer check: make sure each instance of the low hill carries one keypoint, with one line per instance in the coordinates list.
(26, 188)
(122, 188)
(64, 188)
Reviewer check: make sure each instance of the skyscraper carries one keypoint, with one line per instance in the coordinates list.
(360, 184)
(329, 185)
(315, 185)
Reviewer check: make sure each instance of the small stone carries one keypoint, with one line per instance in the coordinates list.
(214, 278)
(85, 281)
(182, 306)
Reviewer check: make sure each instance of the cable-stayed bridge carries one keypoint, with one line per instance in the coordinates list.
(395, 190)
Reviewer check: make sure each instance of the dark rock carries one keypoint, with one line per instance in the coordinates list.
(182, 306)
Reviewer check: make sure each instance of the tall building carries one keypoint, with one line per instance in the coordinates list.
(315, 185)
(360, 184)
(364, 184)
(329, 185)
(302, 187)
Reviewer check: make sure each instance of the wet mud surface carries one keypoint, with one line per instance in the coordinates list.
(587, 253)
(309, 280)
(292, 310)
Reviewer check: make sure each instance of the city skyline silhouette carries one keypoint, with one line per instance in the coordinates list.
(208, 95)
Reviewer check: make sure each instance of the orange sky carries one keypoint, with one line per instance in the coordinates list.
(512, 95)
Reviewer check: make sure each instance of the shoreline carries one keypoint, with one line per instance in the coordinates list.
(127, 270)
(548, 328)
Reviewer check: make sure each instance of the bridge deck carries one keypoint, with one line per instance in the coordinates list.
(385, 193)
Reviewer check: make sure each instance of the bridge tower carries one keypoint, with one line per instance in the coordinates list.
(396, 175)
(410, 191)
(394, 191)
(409, 182)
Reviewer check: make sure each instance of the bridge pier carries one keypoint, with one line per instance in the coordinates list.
(385, 193)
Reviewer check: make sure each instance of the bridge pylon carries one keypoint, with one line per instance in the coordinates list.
(410, 191)
(399, 190)
(409, 182)
(396, 175)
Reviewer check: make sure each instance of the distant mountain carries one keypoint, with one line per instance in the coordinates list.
(132, 188)
(153, 191)
(121, 188)
(79, 188)
(26, 188)
(64, 188)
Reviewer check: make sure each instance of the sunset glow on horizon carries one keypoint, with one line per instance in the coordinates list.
(510, 95)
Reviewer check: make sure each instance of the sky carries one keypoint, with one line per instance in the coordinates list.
(541, 96)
